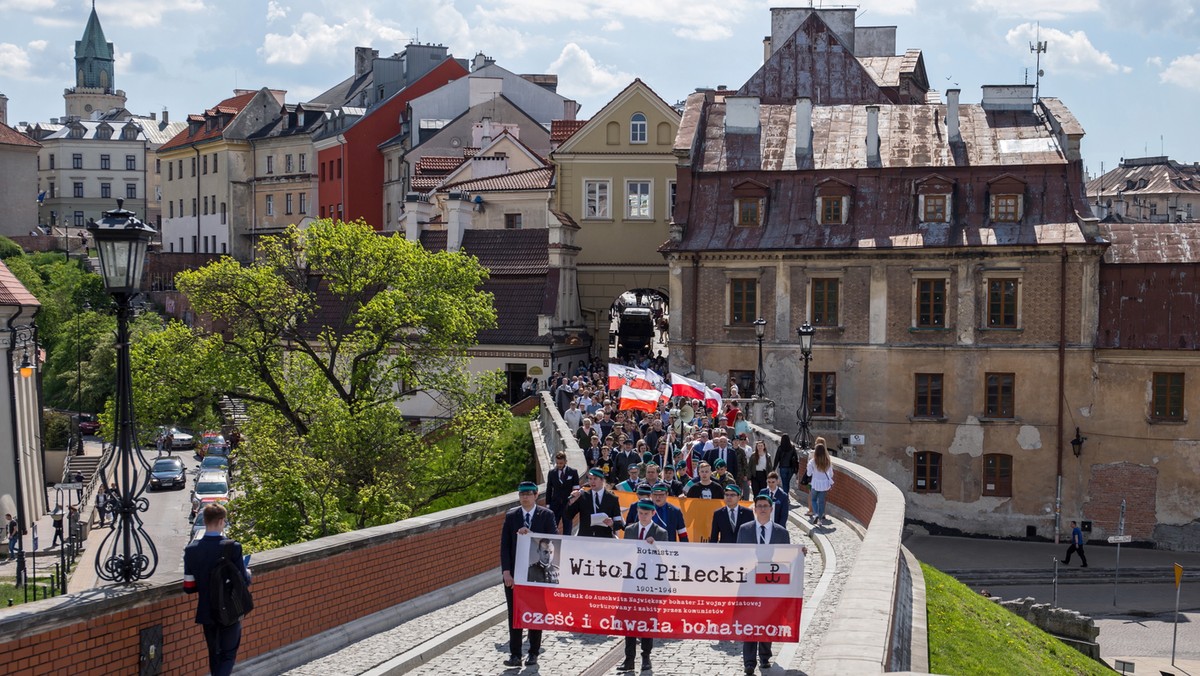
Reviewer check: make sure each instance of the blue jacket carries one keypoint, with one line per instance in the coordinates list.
(199, 557)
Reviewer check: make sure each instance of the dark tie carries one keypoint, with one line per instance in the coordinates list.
(527, 519)
(642, 534)
(733, 518)
(597, 501)
(762, 535)
(560, 476)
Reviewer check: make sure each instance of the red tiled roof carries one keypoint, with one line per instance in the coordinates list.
(561, 130)
(12, 291)
(437, 164)
(12, 137)
(530, 179)
(425, 183)
(232, 105)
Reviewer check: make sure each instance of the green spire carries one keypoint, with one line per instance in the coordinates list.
(94, 56)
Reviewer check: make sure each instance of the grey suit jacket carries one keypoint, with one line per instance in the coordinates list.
(748, 534)
(655, 531)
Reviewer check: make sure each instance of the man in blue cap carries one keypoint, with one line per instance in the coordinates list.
(761, 530)
(726, 520)
(599, 510)
(528, 517)
(644, 529)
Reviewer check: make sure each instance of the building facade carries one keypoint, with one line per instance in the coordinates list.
(18, 169)
(86, 165)
(22, 479)
(1147, 190)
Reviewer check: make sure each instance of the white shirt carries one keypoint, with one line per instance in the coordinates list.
(769, 524)
(821, 481)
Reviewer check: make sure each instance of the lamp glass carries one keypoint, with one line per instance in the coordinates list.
(760, 327)
(806, 337)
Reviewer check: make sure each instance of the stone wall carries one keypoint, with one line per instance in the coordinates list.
(1071, 627)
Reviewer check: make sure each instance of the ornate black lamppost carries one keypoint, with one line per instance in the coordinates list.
(804, 413)
(760, 332)
(127, 553)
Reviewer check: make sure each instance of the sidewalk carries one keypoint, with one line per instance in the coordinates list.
(962, 553)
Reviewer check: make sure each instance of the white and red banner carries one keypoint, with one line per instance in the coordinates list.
(712, 400)
(666, 590)
(639, 399)
(619, 375)
(686, 387)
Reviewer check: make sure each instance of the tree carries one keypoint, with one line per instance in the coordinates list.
(323, 336)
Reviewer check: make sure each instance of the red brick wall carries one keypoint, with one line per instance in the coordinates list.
(1138, 484)
(851, 494)
(298, 593)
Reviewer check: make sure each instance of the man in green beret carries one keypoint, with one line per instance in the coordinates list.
(528, 517)
(645, 529)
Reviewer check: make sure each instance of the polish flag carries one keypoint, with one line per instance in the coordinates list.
(686, 387)
(712, 400)
(647, 380)
(618, 375)
(639, 399)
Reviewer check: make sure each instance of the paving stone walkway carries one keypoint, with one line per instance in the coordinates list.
(573, 654)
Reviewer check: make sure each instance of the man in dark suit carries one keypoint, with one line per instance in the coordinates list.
(644, 529)
(722, 451)
(624, 458)
(762, 530)
(528, 517)
(726, 520)
(780, 496)
(199, 559)
(559, 484)
(595, 501)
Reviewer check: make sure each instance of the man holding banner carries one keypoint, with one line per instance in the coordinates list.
(763, 531)
(645, 530)
(528, 517)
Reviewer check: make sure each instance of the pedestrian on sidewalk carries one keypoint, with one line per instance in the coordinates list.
(200, 558)
(73, 522)
(77, 477)
(10, 527)
(787, 462)
(1076, 546)
(57, 518)
(820, 468)
(101, 503)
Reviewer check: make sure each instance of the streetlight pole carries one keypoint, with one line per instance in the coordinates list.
(760, 332)
(804, 414)
(127, 553)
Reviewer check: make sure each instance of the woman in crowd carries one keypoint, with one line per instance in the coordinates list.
(820, 468)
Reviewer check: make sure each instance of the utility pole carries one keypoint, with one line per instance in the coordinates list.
(1038, 48)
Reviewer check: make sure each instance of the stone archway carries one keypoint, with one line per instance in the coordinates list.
(638, 321)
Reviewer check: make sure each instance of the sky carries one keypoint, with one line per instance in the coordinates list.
(1128, 71)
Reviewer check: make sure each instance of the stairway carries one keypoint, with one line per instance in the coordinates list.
(233, 411)
(83, 463)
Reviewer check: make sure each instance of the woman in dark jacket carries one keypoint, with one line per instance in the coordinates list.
(787, 462)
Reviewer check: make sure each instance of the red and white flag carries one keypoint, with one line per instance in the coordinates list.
(619, 375)
(639, 399)
(647, 380)
(712, 400)
(686, 387)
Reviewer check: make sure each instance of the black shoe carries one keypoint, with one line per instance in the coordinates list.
(531, 660)
(645, 664)
(627, 665)
(765, 664)
(1083, 565)
(749, 671)
(512, 662)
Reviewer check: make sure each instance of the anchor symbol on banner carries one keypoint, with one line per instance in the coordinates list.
(771, 577)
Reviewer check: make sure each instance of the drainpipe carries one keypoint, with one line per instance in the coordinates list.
(1062, 353)
(16, 445)
(196, 244)
(253, 204)
(695, 301)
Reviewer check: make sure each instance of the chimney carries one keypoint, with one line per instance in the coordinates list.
(417, 210)
(458, 216)
(166, 119)
(741, 115)
(803, 128)
(3, 109)
(766, 48)
(363, 60)
(952, 131)
(873, 133)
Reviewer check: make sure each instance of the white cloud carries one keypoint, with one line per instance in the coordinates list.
(612, 25)
(38, 45)
(1037, 10)
(689, 19)
(314, 38)
(1183, 71)
(276, 11)
(580, 76)
(1065, 52)
(14, 62)
(1155, 61)
(142, 15)
(26, 5)
(480, 35)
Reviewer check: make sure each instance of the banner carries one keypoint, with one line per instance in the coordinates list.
(665, 590)
(642, 400)
(686, 387)
(619, 375)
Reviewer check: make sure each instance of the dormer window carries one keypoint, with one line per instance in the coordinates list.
(833, 201)
(104, 132)
(1006, 208)
(637, 128)
(831, 210)
(749, 204)
(1007, 199)
(933, 199)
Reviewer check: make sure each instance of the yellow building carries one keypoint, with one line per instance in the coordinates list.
(616, 179)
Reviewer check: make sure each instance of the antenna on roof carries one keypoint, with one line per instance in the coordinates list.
(1038, 48)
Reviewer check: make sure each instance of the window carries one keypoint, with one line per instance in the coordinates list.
(339, 165)
(927, 472)
(170, 210)
(596, 199)
(1006, 208)
(77, 161)
(997, 475)
(743, 301)
(78, 189)
(998, 399)
(639, 199)
(270, 164)
(934, 210)
(194, 204)
(181, 216)
(671, 200)
(131, 163)
(287, 202)
(931, 303)
(215, 156)
(195, 245)
(303, 201)
(303, 163)
(79, 219)
(637, 128)
(287, 163)
(204, 206)
(105, 162)
(193, 174)
(830, 210)
(105, 190)
(512, 221)
(131, 191)
(322, 172)
(53, 192)
(1002, 303)
(157, 166)
(270, 205)
(51, 160)
(205, 240)
(822, 394)
(204, 170)
(824, 302)
(388, 174)
(180, 172)
(748, 210)
(1167, 400)
(927, 399)
(222, 213)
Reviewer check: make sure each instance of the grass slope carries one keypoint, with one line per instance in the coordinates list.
(970, 635)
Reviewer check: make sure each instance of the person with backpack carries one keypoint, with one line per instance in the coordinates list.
(213, 568)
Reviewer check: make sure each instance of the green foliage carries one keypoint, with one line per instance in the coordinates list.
(969, 634)
(514, 448)
(57, 430)
(9, 249)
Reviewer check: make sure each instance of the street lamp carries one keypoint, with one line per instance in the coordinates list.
(1077, 443)
(760, 332)
(127, 553)
(804, 414)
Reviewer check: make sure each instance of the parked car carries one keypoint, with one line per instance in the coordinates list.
(88, 424)
(168, 472)
(181, 439)
(211, 486)
(211, 440)
(215, 463)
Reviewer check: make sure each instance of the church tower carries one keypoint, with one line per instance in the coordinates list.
(95, 88)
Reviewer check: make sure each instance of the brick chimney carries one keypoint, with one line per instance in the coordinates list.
(873, 133)
(803, 128)
(417, 212)
(952, 131)
(458, 217)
